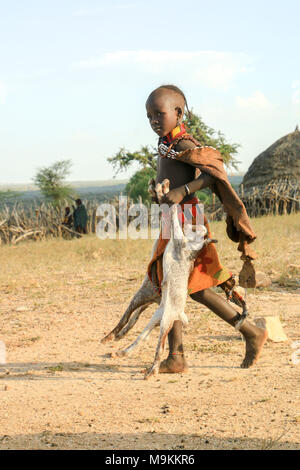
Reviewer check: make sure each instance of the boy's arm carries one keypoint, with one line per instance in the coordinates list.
(176, 195)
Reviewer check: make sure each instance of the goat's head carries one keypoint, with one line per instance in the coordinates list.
(192, 237)
(162, 188)
(151, 187)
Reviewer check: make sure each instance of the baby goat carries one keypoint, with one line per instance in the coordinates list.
(178, 259)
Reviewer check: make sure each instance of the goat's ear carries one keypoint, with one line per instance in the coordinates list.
(165, 186)
(207, 241)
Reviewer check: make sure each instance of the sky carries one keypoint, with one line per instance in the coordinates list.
(75, 75)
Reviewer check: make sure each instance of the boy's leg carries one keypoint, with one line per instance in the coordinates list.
(175, 361)
(255, 337)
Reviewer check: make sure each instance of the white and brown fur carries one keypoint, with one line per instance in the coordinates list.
(178, 261)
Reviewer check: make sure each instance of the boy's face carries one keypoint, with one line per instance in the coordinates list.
(163, 112)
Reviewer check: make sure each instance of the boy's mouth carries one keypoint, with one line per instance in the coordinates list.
(157, 130)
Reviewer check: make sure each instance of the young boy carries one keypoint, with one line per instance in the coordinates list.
(165, 111)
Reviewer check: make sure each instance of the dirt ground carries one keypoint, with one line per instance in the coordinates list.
(59, 390)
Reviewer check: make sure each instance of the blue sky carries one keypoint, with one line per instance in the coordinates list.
(74, 76)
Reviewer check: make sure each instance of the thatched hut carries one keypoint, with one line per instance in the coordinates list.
(272, 182)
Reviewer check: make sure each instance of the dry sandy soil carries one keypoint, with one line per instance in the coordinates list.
(59, 390)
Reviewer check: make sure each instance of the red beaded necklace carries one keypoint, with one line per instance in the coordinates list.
(174, 134)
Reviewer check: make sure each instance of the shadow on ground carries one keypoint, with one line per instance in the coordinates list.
(138, 441)
(60, 370)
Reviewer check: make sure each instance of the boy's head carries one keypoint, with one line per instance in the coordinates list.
(165, 109)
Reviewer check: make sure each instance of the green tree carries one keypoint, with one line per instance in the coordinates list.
(50, 181)
(208, 136)
(138, 184)
(147, 157)
(8, 195)
(123, 159)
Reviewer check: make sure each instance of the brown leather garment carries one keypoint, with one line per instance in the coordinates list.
(210, 161)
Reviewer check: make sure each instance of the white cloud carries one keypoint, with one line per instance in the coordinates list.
(3, 93)
(211, 68)
(256, 101)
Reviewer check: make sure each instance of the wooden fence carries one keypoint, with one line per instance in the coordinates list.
(40, 220)
(276, 198)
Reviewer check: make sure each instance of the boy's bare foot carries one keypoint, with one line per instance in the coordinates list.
(174, 364)
(254, 345)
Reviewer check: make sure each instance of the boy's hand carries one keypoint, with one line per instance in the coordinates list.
(151, 190)
(174, 196)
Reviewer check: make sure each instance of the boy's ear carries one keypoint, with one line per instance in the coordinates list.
(179, 111)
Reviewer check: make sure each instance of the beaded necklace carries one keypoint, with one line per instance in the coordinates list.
(174, 134)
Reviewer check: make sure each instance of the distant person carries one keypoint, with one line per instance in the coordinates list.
(80, 217)
(68, 219)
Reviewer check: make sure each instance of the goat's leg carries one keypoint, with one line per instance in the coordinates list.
(144, 295)
(153, 370)
(155, 320)
(134, 318)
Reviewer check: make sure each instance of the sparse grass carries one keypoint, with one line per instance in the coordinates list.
(68, 292)
(268, 444)
(277, 245)
(31, 340)
(217, 348)
(58, 368)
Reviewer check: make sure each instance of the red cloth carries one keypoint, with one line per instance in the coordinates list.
(207, 272)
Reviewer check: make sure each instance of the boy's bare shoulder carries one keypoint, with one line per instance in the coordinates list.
(184, 144)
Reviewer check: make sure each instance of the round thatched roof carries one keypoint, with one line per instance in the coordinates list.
(280, 161)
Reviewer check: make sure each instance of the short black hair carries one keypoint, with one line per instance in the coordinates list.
(176, 90)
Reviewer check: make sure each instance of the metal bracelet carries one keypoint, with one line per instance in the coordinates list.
(187, 191)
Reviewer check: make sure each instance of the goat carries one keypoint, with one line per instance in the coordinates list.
(178, 260)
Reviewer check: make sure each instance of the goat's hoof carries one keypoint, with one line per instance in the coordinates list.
(106, 338)
(118, 337)
(150, 372)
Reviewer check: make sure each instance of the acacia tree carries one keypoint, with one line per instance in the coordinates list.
(208, 136)
(50, 181)
(147, 157)
(138, 184)
(123, 159)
